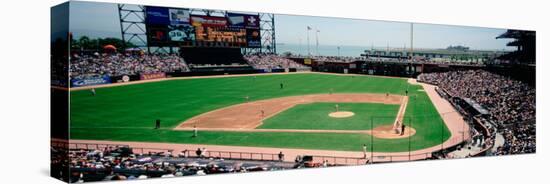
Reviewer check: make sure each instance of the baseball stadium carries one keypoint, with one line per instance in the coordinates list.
(185, 91)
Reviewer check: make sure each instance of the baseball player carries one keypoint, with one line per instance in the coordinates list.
(364, 150)
(396, 127)
(157, 124)
(402, 129)
(195, 131)
(92, 91)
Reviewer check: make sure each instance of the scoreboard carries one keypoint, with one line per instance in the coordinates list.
(177, 27)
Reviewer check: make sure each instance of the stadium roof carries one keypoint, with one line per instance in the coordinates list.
(512, 33)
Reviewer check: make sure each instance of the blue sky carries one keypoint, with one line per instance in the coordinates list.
(354, 32)
(101, 20)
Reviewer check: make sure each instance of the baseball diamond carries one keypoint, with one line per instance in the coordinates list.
(126, 112)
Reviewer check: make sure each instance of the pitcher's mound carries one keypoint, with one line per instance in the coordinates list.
(341, 114)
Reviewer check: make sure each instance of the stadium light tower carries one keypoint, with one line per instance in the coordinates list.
(132, 25)
(267, 29)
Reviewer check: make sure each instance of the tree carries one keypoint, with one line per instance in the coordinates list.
(87, 43)
(84, 42)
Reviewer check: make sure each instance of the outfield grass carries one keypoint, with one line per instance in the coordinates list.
(314, 116)
(127, 113)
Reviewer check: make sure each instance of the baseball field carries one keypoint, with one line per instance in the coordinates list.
(276, 111)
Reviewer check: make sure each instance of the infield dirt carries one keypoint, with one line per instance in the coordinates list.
(247, 116)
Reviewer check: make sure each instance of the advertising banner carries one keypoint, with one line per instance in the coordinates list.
(157, 15)
(181, 33)
(167, 16)
(90, 81)
(252, 22)
(207, 21)
(158, 34)
(237, 20)
(152, 76)
(253, 38)
(307, 61)
(179, 16)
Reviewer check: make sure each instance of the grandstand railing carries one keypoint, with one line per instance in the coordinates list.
(370, 159)
(190, 153)
(136, 150)
(95, 146)
(253, 156)
(239, 155)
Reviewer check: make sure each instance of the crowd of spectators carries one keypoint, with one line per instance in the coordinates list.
(511, 103)
(519, 138)
(124, 64)
(120, 163)
(422, 60)
(508, 100)
(336, 59)
(271, 61)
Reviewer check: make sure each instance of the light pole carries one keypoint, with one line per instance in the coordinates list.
(338, 51)
(371, 140)
(308, 49)
(411, 51)
(300, 44)
(441, 137)
(317, 41)
(410, 126)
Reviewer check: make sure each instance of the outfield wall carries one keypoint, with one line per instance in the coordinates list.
(103, 80)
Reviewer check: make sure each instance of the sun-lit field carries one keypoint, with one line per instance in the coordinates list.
(128, 113)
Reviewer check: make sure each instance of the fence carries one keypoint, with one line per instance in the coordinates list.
(238, 155)
(89, 146)
(370, 159)
(333, 160)
(189, 153)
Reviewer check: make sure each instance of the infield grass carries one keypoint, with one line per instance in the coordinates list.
(314, 116)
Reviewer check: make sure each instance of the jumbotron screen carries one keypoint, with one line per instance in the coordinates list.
(177, 27)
